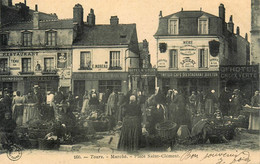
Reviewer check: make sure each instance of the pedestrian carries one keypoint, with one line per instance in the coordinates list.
(111, 109)
(18, 107)
(193, 103)
(7, 127)
(7, 101)
(93, 102)
(255, 100)
(224, 102)
(236, 103)
(50, 105)
(85, 104)
(210, 101)
(130, 135)
(199, 102)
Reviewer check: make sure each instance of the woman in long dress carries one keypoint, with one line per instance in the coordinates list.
(85, 102)
(131, 130)
(18, 107)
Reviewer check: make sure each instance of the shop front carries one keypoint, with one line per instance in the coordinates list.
(242, 77)
(100, 81)
(189, 81)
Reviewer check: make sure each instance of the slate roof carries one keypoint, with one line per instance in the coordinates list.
(120, 34)
(189, 14)
(43, 25)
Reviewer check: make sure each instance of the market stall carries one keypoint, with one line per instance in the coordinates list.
(254, 117)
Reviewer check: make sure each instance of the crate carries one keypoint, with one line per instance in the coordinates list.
(166, 130)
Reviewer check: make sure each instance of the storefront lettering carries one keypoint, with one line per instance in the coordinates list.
(190, 74)
(11, 78)
(187, 62)
(188, 50)
(99, 65)
(6, 54)
(239, 72)
(187, 42)
(42, 78)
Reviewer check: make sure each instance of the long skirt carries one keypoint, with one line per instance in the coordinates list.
(30, 112)
(85, 106)
(18, 114)
(209, 106)
(130, 134)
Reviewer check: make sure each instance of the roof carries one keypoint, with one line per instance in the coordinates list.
(44, 16)
(189, 14)
(120, 34)
(43, 25)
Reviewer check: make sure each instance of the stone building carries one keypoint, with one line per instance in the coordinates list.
(35, 49)
(102, 55)
(255, 31)
(191, 48)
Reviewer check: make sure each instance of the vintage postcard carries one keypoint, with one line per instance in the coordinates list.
(129, 81)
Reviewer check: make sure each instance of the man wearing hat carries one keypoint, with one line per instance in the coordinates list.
(7, 101)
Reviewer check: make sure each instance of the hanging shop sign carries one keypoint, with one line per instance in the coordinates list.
(62, 60)
(199, 74)
(187, 62)
(240, 72)
(214, 48)
(188, 50)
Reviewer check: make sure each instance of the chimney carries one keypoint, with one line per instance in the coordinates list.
(25, 2)
(114, 20)
(238, 30)
(246, 37)
(91, 19)
(145, 44)
(160, 15)
(36, 20)
(230, 25)
(222, 12)
(36, 7)
(78, 14)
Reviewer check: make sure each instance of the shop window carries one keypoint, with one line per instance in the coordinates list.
(26, 65)
(203, 58)
(27, 39)
(115, 60)
(85, 60)
(79, 88)
(4, 39)
(173, 26)
(203, 26)
(51, 38)
(49, 65)
(4, 66)
(173, 59)
(109, 84)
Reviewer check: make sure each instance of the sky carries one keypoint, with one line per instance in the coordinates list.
(145, 13)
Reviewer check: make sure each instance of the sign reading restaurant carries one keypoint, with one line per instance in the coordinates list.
(190, 74)
(7, 54)
(240, 72)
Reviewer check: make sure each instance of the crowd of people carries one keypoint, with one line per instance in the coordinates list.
(137, 112)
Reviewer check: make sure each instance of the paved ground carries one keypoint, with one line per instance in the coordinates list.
(245, 143)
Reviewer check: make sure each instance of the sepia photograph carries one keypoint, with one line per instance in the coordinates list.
(130, 81)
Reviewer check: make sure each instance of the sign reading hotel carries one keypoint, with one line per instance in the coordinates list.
(188, 50)
(249, 72)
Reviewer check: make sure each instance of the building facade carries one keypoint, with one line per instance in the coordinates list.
(102, 55)
(255, 31)
(36, 52)
(192, 46)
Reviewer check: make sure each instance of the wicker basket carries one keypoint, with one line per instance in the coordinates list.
(48, 144)
(166, 130)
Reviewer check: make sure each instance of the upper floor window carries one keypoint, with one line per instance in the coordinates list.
(173, 59)
(49, 64)
(4, 39)
(203, 58)
(173, 26)
(27, 39)
(26, 65)
(85, 60)
(203, 26)
(51, 38)
(3, 65)
(115, 59)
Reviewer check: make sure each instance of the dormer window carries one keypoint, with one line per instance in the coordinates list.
(27, 38)
(51, 38)
(203, 26)
(173, 26)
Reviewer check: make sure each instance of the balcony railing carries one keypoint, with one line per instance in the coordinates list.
(4, 71)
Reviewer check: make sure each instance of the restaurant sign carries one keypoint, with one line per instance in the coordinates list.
(7, 54)
(239, 72)
(200, 74)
